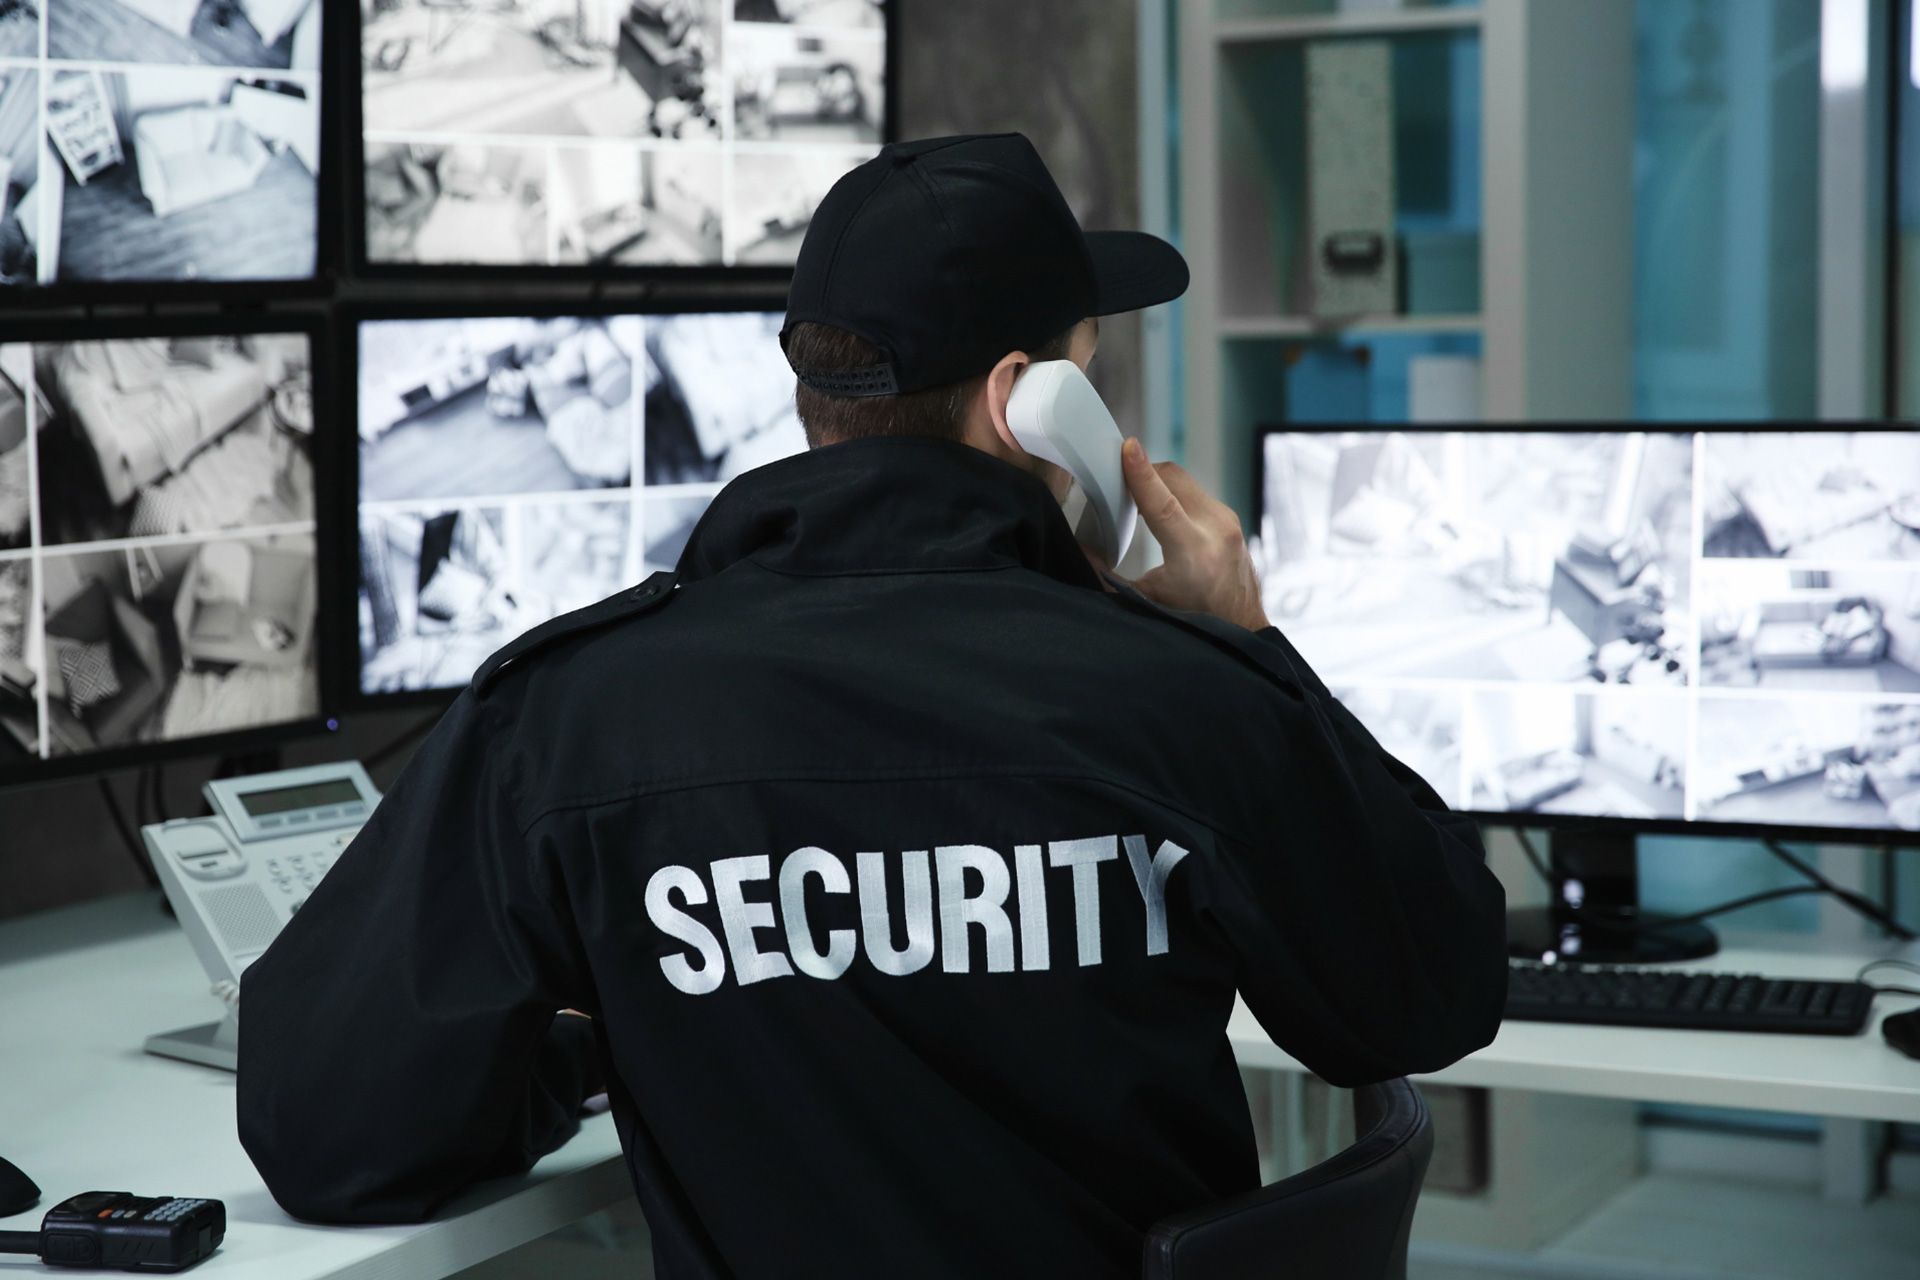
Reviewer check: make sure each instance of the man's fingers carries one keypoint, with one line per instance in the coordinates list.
(1165, 517)
(1183, 486)
(1151, 584)
(1202, 508)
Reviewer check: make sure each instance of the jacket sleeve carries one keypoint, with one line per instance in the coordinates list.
(1371, 936)
(399, 1040)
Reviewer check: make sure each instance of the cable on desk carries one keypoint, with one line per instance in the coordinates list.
(1627, 918)
(400, 742)
(1888, 963)
(1533, 856)
(156, 793)
(1859, 903)
(1820, 884)
(1752, 899)
(127, 834)
(1889, 874)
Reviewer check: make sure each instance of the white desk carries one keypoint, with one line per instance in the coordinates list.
(1857, 1077)
(83, 1108)
(80, 988)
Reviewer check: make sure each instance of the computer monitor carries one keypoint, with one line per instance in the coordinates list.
(158, 141)
(512, 468)
(1712, 629)
(675, 135)
(159, 563)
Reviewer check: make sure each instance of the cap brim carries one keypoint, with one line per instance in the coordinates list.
(1132, 269)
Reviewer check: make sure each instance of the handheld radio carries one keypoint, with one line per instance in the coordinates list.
(117, 1230)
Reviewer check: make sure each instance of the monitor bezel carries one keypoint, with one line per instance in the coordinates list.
(349, 697)
(362, 266)
(329, 253)
(311, 322)
(1868, 837)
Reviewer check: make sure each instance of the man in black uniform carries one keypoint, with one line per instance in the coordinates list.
(905, 867)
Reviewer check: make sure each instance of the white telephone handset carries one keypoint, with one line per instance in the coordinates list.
(1055, 414)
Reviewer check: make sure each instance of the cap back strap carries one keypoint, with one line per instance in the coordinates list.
(867, 380)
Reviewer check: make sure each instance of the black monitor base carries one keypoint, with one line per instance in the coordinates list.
(1535, 933)
(1594, 880)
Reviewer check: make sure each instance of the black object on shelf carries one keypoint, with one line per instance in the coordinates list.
(1355, 253)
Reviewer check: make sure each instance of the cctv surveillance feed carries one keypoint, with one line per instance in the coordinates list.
(157, 553)
(158, 140)
(513, 469)
(658, 133)
(1716, 626)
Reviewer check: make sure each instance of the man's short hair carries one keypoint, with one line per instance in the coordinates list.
(937, 413)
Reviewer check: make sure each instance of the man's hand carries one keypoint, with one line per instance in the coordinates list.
(1207, 567)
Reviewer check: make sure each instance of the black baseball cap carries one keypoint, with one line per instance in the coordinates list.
(948, 253)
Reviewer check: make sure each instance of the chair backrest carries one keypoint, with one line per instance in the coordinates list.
(1347, 1218)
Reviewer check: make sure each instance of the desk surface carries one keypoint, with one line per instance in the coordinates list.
(82, 987)
(1861, 1077)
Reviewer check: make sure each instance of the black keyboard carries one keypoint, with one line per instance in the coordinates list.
(1680, 998)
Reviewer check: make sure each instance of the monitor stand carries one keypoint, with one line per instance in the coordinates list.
(213, 1044)
(1595, 871)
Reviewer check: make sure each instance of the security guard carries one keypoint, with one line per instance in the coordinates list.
(904, 867)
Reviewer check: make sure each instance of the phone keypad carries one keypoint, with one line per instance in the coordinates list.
(296, 874)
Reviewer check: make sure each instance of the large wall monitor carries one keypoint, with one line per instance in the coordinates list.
(512, 468)
(151, 141)
(594, 133)
(158, 552)
(1710, 626)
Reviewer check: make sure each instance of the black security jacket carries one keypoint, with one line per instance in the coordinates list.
(907, 876)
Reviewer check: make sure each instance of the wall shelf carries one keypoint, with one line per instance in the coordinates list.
(1533, 100)
(1321, 26)
(1232, 327)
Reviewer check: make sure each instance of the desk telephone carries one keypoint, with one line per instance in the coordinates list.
(237, 876)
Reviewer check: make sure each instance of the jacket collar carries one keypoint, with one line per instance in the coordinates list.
(887, 505)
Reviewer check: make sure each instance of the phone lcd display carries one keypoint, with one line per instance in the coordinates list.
(313, 795)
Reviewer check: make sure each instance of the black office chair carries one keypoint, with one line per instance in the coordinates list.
(1346, 1218)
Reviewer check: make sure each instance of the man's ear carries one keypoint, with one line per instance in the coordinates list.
(1000, 381)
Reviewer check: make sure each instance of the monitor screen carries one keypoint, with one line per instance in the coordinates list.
(157, 542)
(638, 133)
(158, 140)
(1714, 626)
(515, 468)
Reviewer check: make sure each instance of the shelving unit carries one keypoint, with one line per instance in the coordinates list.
(1553, 149)
(1316, 26)
(1553, 205)
(1316, 327)
(1554, 337)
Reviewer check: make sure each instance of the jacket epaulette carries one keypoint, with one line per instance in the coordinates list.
(649, 595)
